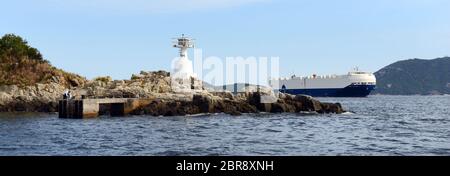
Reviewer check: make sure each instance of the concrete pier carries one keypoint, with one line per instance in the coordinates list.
(90, 108)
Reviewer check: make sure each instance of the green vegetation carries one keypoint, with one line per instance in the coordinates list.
(23, 65)
(104, 79)
(415, 76)
(134, 77)
(14, 47)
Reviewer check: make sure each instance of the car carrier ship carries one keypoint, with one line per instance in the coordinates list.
(353, 84)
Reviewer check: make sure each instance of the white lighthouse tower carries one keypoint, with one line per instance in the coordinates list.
(183, 77)
(182, 66)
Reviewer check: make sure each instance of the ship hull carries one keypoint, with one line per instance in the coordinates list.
(349, 91)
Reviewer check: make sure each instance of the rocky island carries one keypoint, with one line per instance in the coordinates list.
(28, 83)
(415, 77)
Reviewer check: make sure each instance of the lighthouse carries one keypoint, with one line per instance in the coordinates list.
(182, 66)
(183, 77)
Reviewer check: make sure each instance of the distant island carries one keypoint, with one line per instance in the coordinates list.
(29, 83)
(415, 77)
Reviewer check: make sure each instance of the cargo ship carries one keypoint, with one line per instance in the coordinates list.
(354, 84)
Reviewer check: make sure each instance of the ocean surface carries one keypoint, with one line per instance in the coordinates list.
(377, 125)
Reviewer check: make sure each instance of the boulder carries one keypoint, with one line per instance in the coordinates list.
(5, 98)
(204, 102)
(331, 108)
(308, 103)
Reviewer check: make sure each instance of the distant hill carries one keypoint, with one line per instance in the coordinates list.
(415, 76)
(23, 65)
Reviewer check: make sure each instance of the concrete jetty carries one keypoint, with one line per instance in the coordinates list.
(90, 108)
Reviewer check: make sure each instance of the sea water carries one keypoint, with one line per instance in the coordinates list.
(377, 125)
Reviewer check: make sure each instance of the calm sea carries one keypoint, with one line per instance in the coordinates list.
(378, 125)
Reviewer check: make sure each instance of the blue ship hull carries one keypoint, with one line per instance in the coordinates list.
(349, 91)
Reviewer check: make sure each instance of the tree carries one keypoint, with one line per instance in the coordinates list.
(14, 46)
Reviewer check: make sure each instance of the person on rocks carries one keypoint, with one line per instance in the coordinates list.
(66, 95)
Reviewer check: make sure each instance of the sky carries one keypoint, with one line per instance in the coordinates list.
(121, 37)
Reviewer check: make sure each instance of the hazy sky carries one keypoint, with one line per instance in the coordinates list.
(121, 37)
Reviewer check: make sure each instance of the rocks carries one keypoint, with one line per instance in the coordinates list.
(289, 103)
(156, 87)
(224, 94)
(140, 86)
(332, 108)
(209, 103)
(37, 98)
(74, 82)
(198, 104)
(5, 98)
(204, 103)
(163, 108)
(309, 103)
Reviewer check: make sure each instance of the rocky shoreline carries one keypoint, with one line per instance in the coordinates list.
(165, 102)
(209, 104)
